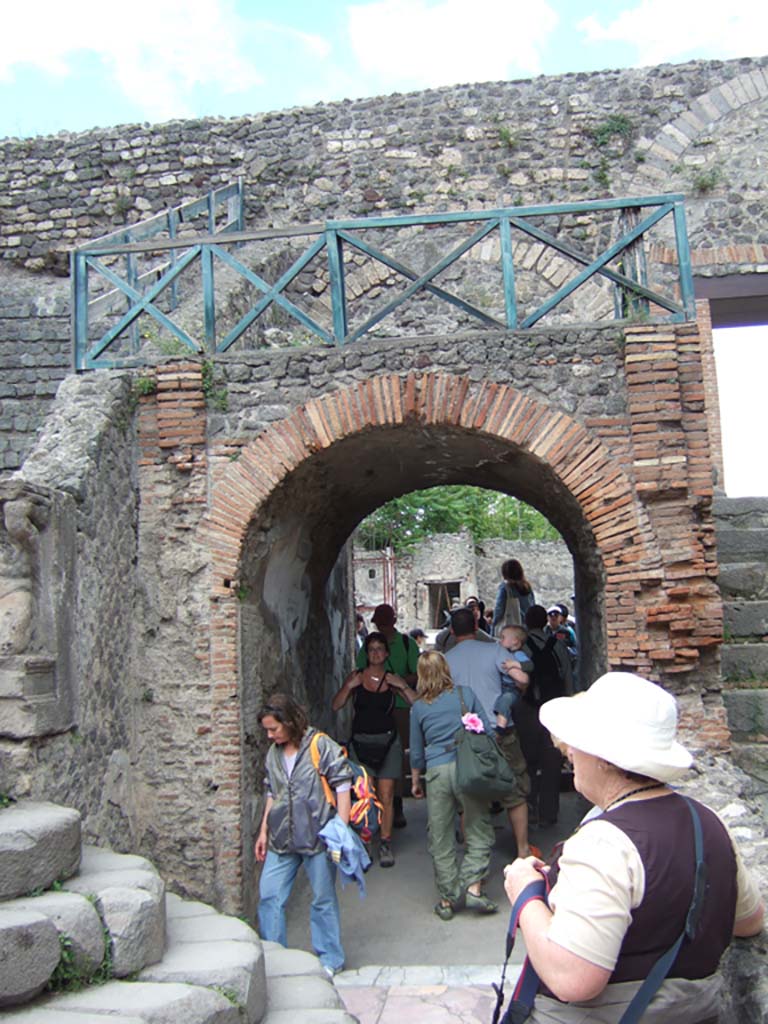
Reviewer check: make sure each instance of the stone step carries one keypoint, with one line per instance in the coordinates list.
(743, 580)
(745, 662)
(130, 897)
(39, 843)
(734, 545)
(299, 990)
(214, 969)
(747, 712)
(746, 618)
(215, 951)
(148, 1002)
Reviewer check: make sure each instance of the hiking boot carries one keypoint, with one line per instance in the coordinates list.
(386, 857)
(481, 903)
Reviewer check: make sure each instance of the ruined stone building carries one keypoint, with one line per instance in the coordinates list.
(174, 535)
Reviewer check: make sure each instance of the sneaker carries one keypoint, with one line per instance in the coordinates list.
(481, 903)
(386, 858)
(331, 972)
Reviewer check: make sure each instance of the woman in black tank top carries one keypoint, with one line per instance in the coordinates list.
(372, 690)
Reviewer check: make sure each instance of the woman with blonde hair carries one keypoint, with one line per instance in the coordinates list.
(435, 719)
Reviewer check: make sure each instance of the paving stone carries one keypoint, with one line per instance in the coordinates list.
(39, 843)
(151, 1003)
(29, 953)
(74, 916)
(323, 1016)
(302, 992)
(236, 967)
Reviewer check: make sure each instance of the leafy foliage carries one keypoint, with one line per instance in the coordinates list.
(404, 522)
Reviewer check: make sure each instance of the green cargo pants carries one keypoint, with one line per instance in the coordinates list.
(443, 803)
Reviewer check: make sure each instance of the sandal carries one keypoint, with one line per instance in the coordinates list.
(444, 911)
(481, 903)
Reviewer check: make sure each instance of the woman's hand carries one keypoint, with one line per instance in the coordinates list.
(260, 848)
(520, 873)
(353, 680)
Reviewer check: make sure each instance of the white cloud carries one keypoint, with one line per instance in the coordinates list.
(155, 50)
(662, 31)
(415, 44)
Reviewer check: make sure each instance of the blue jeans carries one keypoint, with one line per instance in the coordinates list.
(277, 878)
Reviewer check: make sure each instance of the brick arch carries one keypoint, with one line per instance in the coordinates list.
(580, 461)
(622, 531)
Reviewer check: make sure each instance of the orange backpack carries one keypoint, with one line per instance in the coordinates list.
(365, 813)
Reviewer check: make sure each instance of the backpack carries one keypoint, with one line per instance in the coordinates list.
(366, 810)
(547, 681)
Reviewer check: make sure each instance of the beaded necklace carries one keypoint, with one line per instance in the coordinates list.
(632, 792)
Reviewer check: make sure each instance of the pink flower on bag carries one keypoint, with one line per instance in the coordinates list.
(472, 722)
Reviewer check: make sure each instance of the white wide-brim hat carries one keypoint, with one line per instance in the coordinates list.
(624, 719)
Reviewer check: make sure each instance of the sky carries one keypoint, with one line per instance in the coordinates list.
(85, 63)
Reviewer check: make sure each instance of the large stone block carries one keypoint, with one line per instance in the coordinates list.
(746, 618)
(74, 917)
(747, 711)
(753, 759)
(745, 662)
(746, 580)
(29, 953)
(746, 513)
(39, 843)
(136, 921)
(734, 545)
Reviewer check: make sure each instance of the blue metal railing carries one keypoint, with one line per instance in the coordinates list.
(141, 294)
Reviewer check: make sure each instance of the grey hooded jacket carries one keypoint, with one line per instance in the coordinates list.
(300, 807)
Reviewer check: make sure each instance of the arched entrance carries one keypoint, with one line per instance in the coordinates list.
(281, 516)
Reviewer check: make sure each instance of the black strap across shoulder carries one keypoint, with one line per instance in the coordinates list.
(523, 998)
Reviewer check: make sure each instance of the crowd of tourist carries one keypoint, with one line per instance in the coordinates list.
(621, 893)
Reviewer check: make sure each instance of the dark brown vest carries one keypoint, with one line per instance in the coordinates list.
(662, 831)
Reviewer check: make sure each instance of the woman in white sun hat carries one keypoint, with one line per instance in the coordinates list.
(617, 899)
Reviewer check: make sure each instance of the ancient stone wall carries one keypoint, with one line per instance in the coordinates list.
(35, 356)
(475, 566)
(84, 471)
(692, 128)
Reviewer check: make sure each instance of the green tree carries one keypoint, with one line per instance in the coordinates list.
(404, 522)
